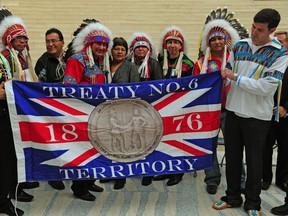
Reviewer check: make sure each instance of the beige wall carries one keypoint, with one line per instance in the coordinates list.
(124, 17)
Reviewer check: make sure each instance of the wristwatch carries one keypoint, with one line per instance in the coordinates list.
(235, 77)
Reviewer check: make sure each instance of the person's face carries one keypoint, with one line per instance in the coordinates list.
(119, 53)
(283, 39)
(217, 43)
(140, 52)
(173, 47)
(99, 49)
(260, 34)
(54, 45)
(19, 43)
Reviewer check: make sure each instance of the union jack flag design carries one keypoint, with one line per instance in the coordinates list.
(49, 123)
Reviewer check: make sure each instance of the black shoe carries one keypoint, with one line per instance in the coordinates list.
(282, 186)
(95, 188)
(265, 185)
(22, 196)
(174, 179)
(146, 180)
(211, 189)
(87, 196)
(29, 185)
(119, 184)
(161, 177)
(10, 210)
(280, 210)
(57, 185)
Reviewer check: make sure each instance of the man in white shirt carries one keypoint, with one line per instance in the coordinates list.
(255, 68)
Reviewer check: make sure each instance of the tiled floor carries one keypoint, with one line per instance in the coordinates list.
(187, 198)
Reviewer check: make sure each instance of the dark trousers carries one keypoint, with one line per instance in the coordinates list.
(249, 133)
(279, 132)
(80, 187)
(8, 161)
(213, 175)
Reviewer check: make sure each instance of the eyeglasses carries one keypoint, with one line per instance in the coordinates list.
(53, 41)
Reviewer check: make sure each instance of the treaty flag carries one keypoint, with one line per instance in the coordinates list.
(73, 132)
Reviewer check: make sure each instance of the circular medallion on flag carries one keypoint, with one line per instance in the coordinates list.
(125, 130)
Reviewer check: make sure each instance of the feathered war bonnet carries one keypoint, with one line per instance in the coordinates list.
(173, 33)
(142, 39)
(89, 33)
(220, 23)
(5, 67)
(10, 28)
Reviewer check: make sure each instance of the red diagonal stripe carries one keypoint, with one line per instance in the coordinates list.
(185, 148)
(80, 159)
(169, 99)
(62, 106)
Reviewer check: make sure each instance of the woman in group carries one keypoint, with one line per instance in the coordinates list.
(121, 71)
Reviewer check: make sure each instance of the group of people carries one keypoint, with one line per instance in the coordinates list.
(252, 69)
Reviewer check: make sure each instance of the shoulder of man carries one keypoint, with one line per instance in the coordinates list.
(6, 53)
(187, 60)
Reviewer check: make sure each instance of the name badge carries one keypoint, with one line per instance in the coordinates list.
(173, 72)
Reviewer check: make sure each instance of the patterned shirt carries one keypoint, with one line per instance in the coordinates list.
(9, 56)
(187, 67)
(213, 66)
(78, 70)
(260, 69)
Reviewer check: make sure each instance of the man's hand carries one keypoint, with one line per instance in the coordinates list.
(282, 112)
(2, 92)
(227, 73)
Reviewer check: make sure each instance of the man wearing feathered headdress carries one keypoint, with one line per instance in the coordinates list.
(173, 53)
(14, 46)
(8, 160)
(142, 52)
(15, 50)
(218, 38)
(175, 64)
(88, 65)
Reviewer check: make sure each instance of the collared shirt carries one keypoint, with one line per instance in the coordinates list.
(259, 72)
